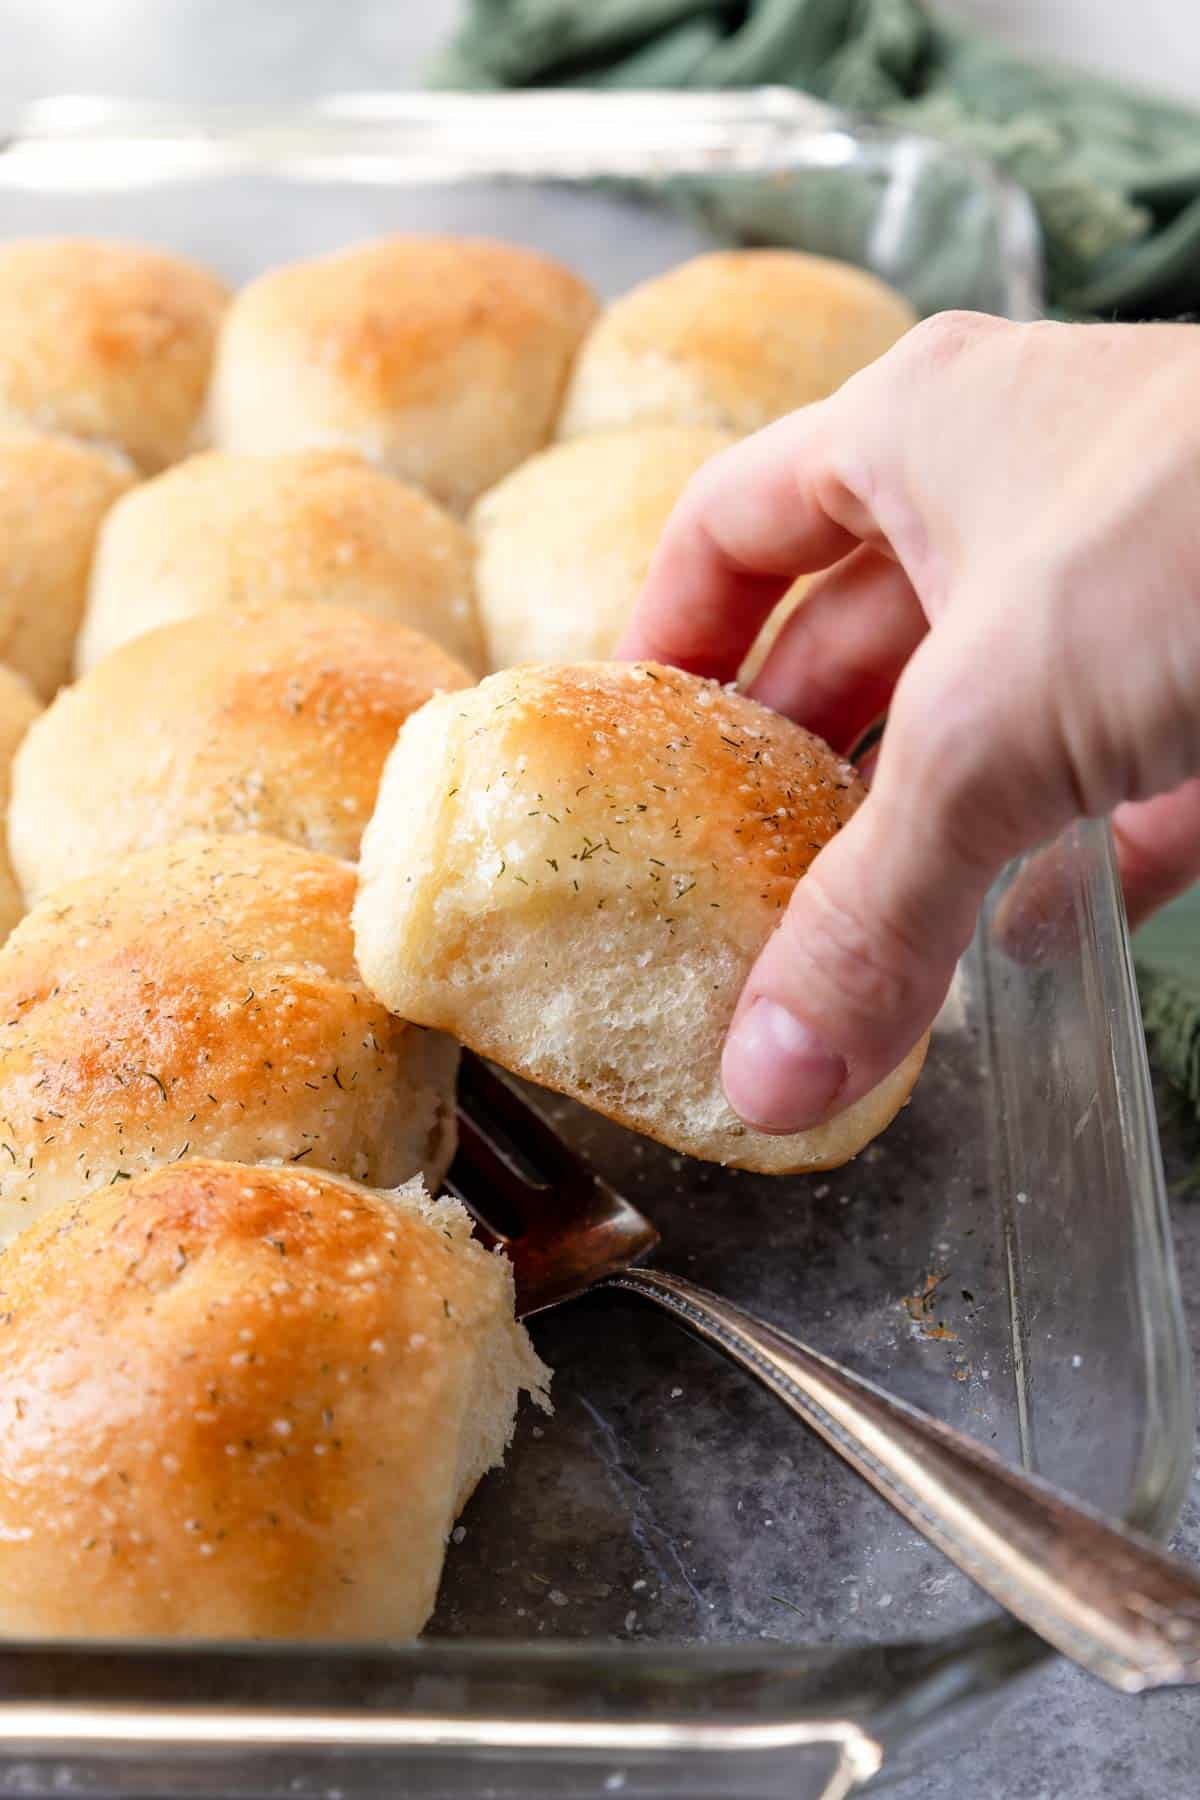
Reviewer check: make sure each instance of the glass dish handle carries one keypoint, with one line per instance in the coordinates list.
(1105, 1597)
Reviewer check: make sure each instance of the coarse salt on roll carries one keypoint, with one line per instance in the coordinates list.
(203, 999)
(273, 719)
(245, 1403)
(572, 869)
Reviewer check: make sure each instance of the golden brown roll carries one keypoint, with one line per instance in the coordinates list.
(108, 342)
(203, 999)
(53, 496)
(245, 1403)
(731, 340)
(18, 710)
(572, 869)
(564, 542)
(275, 719)
(441, 359)
(222, 531)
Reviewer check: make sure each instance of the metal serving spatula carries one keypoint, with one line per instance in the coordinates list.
(1106, 1597)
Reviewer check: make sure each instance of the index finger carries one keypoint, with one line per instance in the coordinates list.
(747, 524)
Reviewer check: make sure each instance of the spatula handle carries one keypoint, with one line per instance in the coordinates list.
(1106, 1597)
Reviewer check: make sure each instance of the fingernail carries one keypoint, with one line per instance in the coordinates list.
(777, 1073)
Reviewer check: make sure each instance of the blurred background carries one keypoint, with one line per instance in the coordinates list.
(268, 49)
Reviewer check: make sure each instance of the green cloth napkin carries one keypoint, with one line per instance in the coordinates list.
(1167, 955)
(1115, 175)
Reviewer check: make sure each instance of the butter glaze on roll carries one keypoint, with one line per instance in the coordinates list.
(731, 340)
(54, 495)
(275, 719)
(224, 531)
(442, 360)
(202, 999)
(107, 342)
(572, 869)
(245, 1403)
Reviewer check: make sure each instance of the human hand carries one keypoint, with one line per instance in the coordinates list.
(1014, 516)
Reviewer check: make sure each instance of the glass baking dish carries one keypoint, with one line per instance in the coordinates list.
(671, 1589)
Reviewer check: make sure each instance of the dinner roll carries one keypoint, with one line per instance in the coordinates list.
(223, 531)
(18, 710)
(245, 1403)
(440, 359)
(107, 342)
(572, 869)
(53, 495)
(203, 998)
(732, 340)
(277, 719)
(564, 542)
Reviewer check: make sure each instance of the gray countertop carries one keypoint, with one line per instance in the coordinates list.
(1063, 1737)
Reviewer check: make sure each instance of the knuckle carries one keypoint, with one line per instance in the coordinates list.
(935, 730)
(957, 770)
(700, 502)
(693, 510)
(709, 480)
(943, 338)
(866, 964)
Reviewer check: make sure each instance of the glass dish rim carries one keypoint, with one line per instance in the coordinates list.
(372, 137)
(77, 144)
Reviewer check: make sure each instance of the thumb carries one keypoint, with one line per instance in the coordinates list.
(862, 959)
